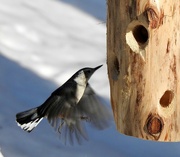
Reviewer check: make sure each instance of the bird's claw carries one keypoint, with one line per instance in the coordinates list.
(87, 119)
(59, 128)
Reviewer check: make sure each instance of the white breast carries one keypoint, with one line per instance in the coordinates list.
(81, 85)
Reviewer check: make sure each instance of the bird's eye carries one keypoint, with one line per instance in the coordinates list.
(88, 71)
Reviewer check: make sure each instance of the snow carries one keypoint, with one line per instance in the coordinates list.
(42, 43)
(1, 153)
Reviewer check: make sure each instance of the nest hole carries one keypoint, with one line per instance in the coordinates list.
(140, 34)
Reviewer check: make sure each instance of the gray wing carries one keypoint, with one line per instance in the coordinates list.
(92, 107)
(65, 118)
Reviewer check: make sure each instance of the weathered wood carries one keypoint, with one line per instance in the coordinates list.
(143, 58)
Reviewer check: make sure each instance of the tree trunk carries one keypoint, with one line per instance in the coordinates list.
(143, 57)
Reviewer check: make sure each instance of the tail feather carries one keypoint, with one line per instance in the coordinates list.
(29, 119)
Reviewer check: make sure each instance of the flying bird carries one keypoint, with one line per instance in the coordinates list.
(68, 109)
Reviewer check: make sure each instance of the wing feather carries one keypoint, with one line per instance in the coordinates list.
(91, 106)
(65, 118)
(69, 120)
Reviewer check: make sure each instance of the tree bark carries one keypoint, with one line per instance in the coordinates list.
(143, 58)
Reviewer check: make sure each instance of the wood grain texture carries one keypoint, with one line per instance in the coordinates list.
(143, 58)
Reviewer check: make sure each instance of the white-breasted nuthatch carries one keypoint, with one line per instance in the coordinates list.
(68, 107)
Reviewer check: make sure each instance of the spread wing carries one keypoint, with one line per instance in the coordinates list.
(69, 119)
(92, 107)
(65, 118)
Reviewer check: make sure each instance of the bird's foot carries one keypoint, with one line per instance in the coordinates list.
(87, 119)
(60, 127)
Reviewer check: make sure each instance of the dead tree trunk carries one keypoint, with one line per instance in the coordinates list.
(143, 57)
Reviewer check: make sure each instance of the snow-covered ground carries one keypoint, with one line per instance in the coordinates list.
(42, 43)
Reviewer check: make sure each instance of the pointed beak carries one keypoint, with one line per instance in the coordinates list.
(97, 67)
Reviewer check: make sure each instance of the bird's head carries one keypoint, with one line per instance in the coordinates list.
(84, 74)
(89, 71)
